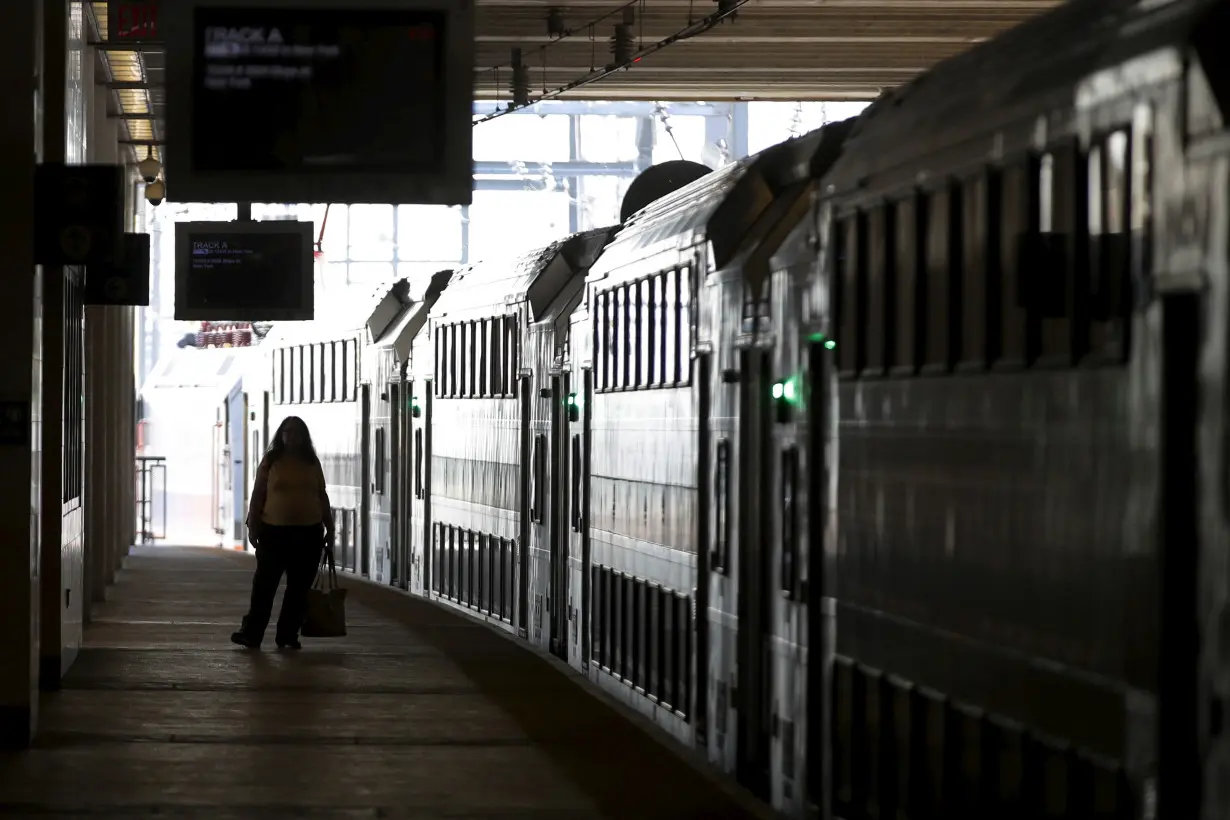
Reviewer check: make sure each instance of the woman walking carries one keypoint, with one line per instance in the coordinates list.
(290, 522)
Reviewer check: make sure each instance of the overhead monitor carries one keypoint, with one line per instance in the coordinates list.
(244, 271)
(319, 101)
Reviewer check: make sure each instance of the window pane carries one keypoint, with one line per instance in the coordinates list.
(371, 232)
(522, 137)
(608, 139)
(428, 233)
(370, 273)
(503, 223)
(336, 241)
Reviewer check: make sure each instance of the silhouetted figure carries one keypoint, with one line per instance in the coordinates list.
(290, 522)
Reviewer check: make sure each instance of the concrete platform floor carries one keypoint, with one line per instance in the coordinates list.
(419, 713)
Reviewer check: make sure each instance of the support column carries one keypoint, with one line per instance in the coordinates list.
(20, 293)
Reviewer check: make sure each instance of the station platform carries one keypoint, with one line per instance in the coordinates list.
(419, 712)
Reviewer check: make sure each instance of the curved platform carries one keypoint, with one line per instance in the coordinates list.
(419, 713)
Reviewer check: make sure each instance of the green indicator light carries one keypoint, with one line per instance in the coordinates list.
(789, 391)
(779, 390)
(572, 400)
(816, 337)
(830, 344)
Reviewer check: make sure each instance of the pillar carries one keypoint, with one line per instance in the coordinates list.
(20, 294)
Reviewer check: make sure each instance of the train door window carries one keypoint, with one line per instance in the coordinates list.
(790, 522)
(378, 462)
(418, 463)
(684, 328)
(906, 316)
(538, 474)
(578, 484)
(976, 332)
(721, 507)
(852, 305)
(652, 329)
(938, 353)
(1109, 236)
(879, 326)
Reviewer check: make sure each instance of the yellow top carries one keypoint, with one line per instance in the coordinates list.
(294, 494)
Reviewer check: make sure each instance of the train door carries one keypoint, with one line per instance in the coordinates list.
(704, 483)
(396, 560)
(422, 483)
(752, 643)
(526, 511)
(820, 622)
(578, 517)
(367, 484)
(557, 530)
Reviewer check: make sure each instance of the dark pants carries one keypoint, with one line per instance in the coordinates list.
(292, 550)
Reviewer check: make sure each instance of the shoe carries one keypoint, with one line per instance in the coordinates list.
(292, 643)
(245, 640)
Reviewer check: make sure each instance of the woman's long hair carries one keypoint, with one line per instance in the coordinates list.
(305, 450)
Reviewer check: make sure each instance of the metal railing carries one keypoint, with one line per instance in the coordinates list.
(149, 468)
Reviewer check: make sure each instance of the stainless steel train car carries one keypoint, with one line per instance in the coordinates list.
(487, 367)
(1029, 266)
(885, 467)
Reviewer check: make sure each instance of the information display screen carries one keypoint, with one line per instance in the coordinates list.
(257, 271)
(307, 89)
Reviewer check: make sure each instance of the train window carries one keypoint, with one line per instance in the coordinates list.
(1140, 212)
(976, 301)
(652, 329)
(499, 347)
(352, 361)
(275, 375)
(684, 326)
(473, 358)
(378, 461)
(482, 385)
(619, 373)
(311, 384)
(1016, 201)
(938, 351)
(326, 371)
(720, 556)
(538, 476)
(641, 347)
(879, 325)
(292, 383)
(790, 522)
(664, 327)
(1109, 238)
(512, 350)
(851, 307)
(418, 463)
(907, 318)
(1051, 279)
(670, 327)
(577, 484)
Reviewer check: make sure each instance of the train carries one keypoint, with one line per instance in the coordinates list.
(886, 467)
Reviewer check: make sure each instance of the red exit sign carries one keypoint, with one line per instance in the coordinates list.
(133, 20)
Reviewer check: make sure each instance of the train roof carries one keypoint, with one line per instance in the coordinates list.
(1038, 65)
(406, 325)
(345, 316)
(791, 170)
(536, 277)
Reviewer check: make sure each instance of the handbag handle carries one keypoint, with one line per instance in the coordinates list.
(326, 559)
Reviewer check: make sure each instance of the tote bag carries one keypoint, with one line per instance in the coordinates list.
(326, 604)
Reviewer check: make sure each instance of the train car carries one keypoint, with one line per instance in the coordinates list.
(395, 432)
(769, 472)
(314, 371)
(484, 506)
(653, 353)
(1029, 267)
